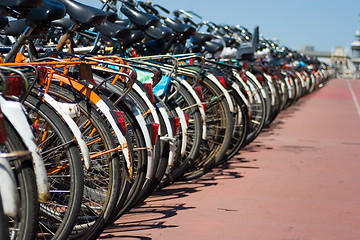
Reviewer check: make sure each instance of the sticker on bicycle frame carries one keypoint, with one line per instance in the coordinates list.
(162, 86)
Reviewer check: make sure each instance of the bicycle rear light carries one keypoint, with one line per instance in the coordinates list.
(154, 131)
(150, 91)
(120, 116)
(15, 85)
(243, 76)
(157, 76)
(222, 80)
(260, 78)
(175, 121)
(200, 93)
(246, 65)
(43, 75)
(2, 128)
(187, 117)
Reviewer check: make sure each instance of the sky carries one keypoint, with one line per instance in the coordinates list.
(324, 24)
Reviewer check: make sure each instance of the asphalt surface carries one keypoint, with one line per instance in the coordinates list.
(299, 180)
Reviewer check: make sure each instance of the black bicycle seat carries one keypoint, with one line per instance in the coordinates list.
(159, 32)
(201, 38)
(180, 27)
(4, 21)
(143, 20)
(136, 36)
(15, 28)
(113, 30)
(22, 3)
(111, 17)
(213, 47)
(84, 14)
(51, 10)
(65, 23)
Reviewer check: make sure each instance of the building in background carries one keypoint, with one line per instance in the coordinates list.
(355, 50)
(345, 66)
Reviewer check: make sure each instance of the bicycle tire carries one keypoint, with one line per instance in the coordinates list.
(26, 226)
(103, 183)
(219, 130)
(66, 182)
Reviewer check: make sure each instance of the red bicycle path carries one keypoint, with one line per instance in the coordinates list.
(299, 180)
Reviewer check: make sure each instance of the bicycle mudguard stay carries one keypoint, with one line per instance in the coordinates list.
(63, 109)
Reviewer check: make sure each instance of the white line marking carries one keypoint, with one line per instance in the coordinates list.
(354, 96)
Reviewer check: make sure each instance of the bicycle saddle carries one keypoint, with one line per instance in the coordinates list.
(229, 41)
(65, 23)
(201, 38)
(14, 28)
(143, 20)
(21, 3)
(83, 14)
(213, 47)
(159, 32)
(136, 36)
(3, 21)
(49, 11)
(112, 17)
(123, 22)
(180, 27)
(113, 30)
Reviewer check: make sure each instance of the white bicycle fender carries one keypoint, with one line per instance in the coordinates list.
(198, 102)
(245, 85)
(237, 89)
(271, 86)
(181, 115)
(8, 190)
(147, 101)
(213, 78)
(66, 111)
(104, 108)
(170, 135)
(142, 123)
(16, 115)
(252, 76)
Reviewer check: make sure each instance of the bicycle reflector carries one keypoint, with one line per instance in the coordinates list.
(154, 131)
(222, 80)
(200, 93)
(175, 121)
(260, 78)
(157, 76)
(2, 128)
(150, 91)
(120, 116)
(187, 117)
(246, 65)
(243, 76)
(43, 75)
(14, 86)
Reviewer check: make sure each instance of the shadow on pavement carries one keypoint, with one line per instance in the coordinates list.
(160, 205)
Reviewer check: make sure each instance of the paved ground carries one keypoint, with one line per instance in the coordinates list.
(298, 181)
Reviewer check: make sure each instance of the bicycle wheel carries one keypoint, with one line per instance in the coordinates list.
(257, 112)
(241, 126)
(26, 226)
(104, 182)
(4, 228)
(219, 130)
(65, 172)
(140, 148)
(188, 105)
